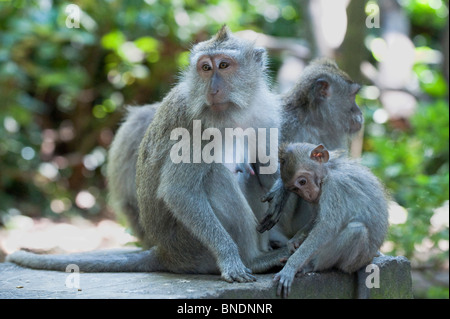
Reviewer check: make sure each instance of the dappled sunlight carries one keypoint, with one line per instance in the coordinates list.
(45, 236)
(397, 213)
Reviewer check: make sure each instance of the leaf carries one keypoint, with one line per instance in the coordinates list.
(113, 40)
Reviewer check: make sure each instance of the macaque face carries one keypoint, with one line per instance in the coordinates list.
(306, 185)
(217, 71)
(354, 112)
(342, 95)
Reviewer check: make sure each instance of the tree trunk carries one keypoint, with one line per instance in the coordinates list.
(352, 51)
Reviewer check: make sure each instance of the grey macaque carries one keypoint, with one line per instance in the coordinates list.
(195, 212)
(194, 216)
(320, 108)
(349, 205)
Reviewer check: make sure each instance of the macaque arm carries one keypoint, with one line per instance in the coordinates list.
(319, 236)
(277, 197)
(182, 187)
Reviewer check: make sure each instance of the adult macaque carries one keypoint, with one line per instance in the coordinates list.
(349, 205)
(194, 216)
(320, 108)
(196, 213)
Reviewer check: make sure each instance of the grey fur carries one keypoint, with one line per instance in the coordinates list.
(330, 120)
(311, 116)
(351, 217)
(194, 216)
(121, 166)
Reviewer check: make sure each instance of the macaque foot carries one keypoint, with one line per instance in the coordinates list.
(235, 272)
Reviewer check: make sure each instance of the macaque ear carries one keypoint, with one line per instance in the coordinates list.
(223, 34)
(320, 154)
(322, 88)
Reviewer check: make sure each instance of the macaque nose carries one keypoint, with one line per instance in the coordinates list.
(214, 91)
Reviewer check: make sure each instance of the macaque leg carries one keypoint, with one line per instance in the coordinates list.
(353, 253)
(349, 252)
(236, 216)
(319, 237)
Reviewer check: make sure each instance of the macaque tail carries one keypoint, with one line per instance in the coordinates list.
(113, 260)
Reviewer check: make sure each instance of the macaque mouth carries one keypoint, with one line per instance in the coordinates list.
(220, 107)
(315, 199)
(355, 126)
(311, 198)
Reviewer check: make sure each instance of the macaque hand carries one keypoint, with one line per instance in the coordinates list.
(276, 197)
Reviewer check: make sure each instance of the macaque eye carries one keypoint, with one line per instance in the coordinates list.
(302, 182)
(224, 65)
(206, 67)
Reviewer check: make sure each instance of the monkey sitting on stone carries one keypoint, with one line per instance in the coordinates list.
(193, 217)
(350, 212)
(320, 108)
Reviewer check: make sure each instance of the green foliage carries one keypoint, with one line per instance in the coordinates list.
(437, 292)
(431, 79)
(63, 89)
(429, 14)
(414, 166)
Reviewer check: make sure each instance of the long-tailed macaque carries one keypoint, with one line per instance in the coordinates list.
(194, 216)
(195, 212)
(350, 211)
(320, 108)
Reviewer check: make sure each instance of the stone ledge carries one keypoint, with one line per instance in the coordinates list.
(22, 283)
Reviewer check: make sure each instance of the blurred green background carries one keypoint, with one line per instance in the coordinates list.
(63, 91)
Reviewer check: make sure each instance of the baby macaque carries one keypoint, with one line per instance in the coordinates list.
(350, 216)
